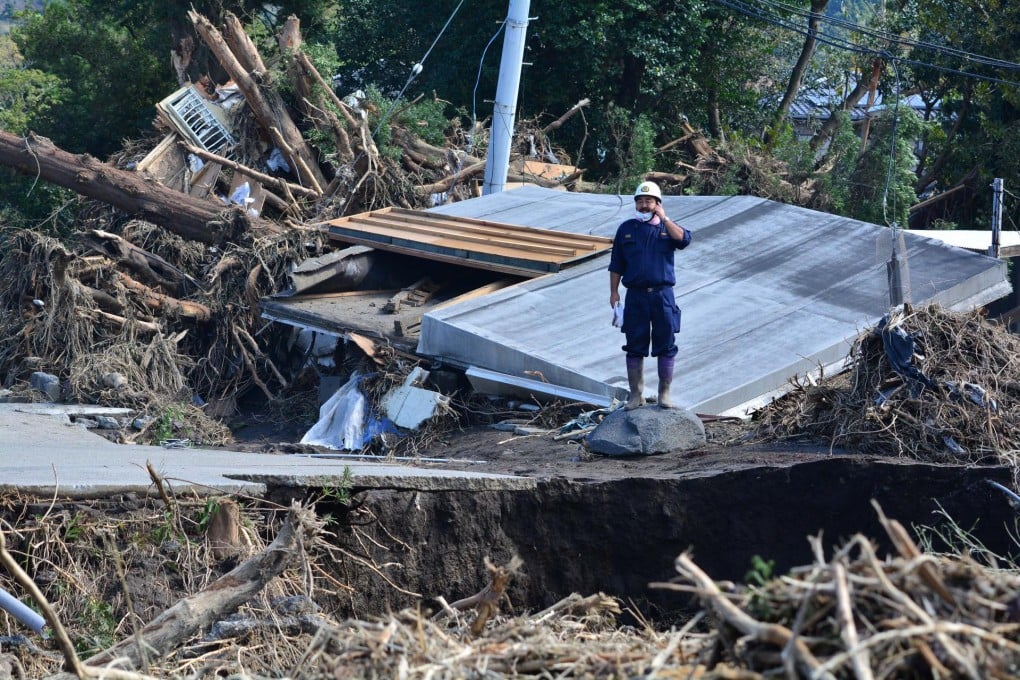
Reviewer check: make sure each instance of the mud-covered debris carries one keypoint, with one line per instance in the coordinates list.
(178, 238)
(925, 383)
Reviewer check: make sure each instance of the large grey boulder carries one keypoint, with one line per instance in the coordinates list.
(647, 431)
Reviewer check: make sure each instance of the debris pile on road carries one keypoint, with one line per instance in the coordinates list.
(154, 300)
(925, 383)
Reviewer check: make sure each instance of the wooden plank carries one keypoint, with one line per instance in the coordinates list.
(166, 163)
(392, 305)
(203, 182)
(517, 267)
(499, 259)
(255, 191)
(552, 171)
(415, 295)
(547, 236)
(404, 329)
(474, 243)
(462, 224)
(341, 294)
(518, 237)
(434, 244)
(477, 292)
(455, 235)
(156, 155)
(550, 236)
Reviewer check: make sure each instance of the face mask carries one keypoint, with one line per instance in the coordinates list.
(643, 217)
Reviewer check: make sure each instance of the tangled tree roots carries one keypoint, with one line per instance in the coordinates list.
(954, 399)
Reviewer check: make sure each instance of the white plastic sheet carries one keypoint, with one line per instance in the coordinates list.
(341, 424)
(277, 162)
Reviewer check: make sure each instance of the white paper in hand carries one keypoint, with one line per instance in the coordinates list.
(618, 315)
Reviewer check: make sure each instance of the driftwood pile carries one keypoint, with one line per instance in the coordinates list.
(928, 384)
(154, 300)
(853, 614)
(856, 615)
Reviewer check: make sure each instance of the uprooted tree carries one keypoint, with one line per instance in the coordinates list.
(154, 299)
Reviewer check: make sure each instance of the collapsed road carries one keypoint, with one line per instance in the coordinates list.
(580, 526)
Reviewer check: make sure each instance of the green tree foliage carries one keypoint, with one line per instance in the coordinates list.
(745, 63)
(633, 146)
(108, 76)
(27, 95)
(841, 162)
(647, 67)
(90, 75)
(882, 184)
(111, 78)
(113, 59)
(638, 55)
(978, 119)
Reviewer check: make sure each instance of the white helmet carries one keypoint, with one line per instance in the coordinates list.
(648, 189)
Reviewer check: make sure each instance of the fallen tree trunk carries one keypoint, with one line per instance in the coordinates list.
(164, 303)
(241, 45)
(191, 218)
(445, 184)
(667, 178)
(556, 124)
(267, 107)
(192, 614)
(439, 157)
(357, 127)
(153, 269)
(529, 178)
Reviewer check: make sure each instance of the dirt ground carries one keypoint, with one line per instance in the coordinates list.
(545, 454)
(727, 449)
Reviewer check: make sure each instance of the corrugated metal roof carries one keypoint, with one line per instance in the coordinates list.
(768, 291)
(526, 251)
(817, 103)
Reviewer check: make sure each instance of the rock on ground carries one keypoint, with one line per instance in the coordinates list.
(647, 431)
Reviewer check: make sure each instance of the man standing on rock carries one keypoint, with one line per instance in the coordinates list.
(642, 260)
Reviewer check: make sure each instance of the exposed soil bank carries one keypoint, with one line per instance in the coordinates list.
(617, 537)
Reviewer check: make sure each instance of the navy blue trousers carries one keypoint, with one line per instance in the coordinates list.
(650, 318)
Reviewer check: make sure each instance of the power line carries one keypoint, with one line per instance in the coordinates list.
(416, 69)
(840, 43)
(478, 78)
(893, 38)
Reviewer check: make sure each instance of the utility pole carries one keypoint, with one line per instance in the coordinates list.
(897, 269)
(502, 131)
(997, 191)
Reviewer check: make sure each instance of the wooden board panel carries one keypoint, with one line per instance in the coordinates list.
(475, 243)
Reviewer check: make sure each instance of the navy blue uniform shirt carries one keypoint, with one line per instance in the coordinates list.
(643, 254)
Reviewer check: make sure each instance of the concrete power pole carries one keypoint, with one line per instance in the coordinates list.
(502, 131)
